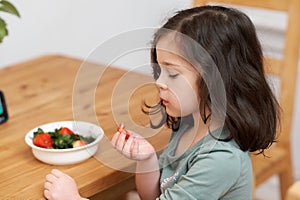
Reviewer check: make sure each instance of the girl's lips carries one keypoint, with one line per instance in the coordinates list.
(165, 102)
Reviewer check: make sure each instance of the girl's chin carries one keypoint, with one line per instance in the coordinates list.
(177, 113)
(172, 113)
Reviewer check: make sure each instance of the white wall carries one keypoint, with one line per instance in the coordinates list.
(77, 27)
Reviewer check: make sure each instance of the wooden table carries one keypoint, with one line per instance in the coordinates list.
(41, 90)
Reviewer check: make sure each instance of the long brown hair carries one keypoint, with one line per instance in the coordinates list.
(229, 37)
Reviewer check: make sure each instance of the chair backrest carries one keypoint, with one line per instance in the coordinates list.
(286, 67)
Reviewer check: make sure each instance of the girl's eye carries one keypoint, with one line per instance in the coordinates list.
(173, 75)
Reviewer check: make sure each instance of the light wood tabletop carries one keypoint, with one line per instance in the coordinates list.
(51, 88)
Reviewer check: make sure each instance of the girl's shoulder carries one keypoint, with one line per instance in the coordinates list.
(210, 148)
(226, 154)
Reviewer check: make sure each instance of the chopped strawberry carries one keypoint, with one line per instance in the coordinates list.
(79, 143)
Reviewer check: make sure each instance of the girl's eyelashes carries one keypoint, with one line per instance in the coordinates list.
(173, 75)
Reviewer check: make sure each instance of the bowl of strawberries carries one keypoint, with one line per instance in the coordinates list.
(64, 142)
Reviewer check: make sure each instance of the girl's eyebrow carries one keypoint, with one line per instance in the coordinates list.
(168, 64)
(176, 66)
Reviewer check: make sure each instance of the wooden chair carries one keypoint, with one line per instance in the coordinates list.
(279, 161)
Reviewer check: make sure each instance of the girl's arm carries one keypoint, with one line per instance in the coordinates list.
(147, 178)
(137, 148)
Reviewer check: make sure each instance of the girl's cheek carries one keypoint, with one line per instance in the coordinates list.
(186, 99)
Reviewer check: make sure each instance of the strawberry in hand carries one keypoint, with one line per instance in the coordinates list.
(121, 128)
(132, 145)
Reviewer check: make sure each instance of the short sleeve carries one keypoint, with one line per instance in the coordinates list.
(209, 177)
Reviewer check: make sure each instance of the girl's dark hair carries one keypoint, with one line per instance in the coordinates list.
(229, 37)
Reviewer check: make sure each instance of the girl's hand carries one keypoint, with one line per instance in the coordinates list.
(59, 185)
(132, 145)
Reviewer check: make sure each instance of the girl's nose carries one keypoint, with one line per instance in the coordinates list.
(160, 83)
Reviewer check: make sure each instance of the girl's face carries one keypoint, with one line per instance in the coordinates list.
(177, 81)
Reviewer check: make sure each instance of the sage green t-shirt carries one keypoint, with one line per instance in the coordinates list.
(210, 170)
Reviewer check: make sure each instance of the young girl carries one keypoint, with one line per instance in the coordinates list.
(208, 66)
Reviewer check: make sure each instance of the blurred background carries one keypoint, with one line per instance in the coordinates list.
(76, 28)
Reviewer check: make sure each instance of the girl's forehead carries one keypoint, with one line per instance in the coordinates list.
(169, 43)
(167, 48)
(168, 51)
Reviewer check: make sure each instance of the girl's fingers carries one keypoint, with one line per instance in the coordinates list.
(47, 194)
(57, 173)
(47, 185)
(51, 178)
(115, 139)
(127, 147)
(121, 141)
(132, 145)
(135, 149)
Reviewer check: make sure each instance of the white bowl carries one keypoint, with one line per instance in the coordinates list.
(67, 156)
